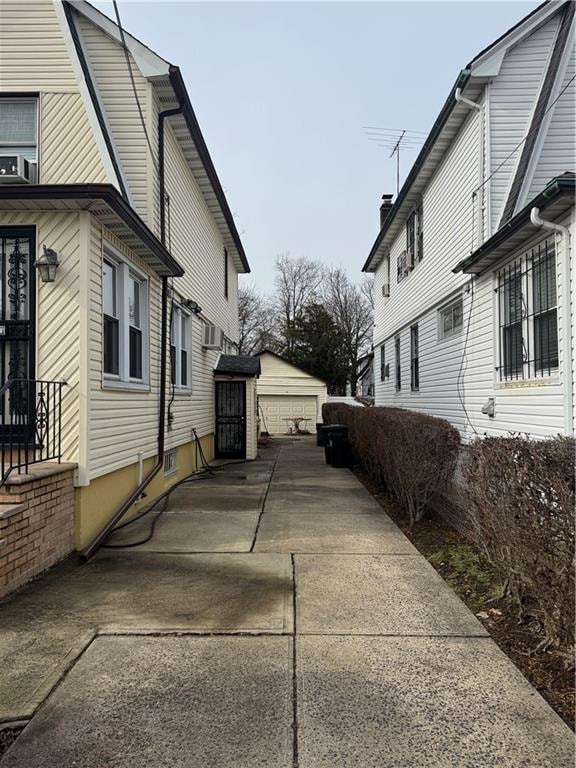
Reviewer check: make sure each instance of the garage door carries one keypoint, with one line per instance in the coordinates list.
(275, 410)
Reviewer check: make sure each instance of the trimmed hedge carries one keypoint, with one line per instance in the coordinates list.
(411, 454)
(522, 500)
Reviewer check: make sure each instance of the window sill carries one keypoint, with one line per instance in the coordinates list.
(132, 386)
(545, 381)
(185, 391)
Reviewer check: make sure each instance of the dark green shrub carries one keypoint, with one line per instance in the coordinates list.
(522, 500)
(413, 455)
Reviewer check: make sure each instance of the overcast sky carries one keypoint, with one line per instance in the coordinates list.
(282, 92)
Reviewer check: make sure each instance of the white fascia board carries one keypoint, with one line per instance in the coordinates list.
(489, 64)
(149, 63)
(109, 169)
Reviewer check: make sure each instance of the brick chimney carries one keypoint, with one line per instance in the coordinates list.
(385, 208)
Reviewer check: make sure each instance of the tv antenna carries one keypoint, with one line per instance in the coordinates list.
(396, 151)
(396, 139)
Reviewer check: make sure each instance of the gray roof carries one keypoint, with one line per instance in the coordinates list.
(238, 365)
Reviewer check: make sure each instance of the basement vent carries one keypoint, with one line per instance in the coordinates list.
(170, 462)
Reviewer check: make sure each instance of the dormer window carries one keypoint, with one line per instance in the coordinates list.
(18, 140)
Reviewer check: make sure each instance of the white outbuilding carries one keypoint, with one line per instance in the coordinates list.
(287, 393)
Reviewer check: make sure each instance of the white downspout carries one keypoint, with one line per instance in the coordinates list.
(463, 100)
(567, 376)
(478, 194)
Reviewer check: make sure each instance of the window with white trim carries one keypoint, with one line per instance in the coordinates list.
(125, 322)
(18, 135)
(451, 319)
(527, 315)
(180, 348)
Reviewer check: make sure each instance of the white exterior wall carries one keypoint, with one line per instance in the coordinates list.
(449, 222)
(58, 313)
(121, 422)
(35, 58)
(194, 240)
(280, 378)
(513, 96)
(33, 62)
(559, 146)
(67, 153)
(458, 374)
(535, 407)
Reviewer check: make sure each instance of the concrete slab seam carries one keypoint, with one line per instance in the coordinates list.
(54, 679)
(294, 670)
(264, 501)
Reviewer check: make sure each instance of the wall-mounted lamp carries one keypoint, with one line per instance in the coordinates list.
(47, 264)
(193, 306)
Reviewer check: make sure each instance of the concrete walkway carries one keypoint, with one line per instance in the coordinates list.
(277, 618)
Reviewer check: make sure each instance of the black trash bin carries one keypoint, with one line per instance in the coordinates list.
(339, 446)
(336, 439)
(320, 434)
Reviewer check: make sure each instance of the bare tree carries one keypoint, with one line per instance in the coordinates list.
(297, 283)
(351, 307)
(256, 321)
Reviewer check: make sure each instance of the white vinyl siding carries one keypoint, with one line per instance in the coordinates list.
(58, 313)
(559, 145)
(68, 150)
(122, 423)
(280, 379)
(110, 72)
(513, 96)
(458, 374)
(448, 219)
(33, 52)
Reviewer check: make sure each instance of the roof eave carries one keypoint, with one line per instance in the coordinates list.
(108, 194)
(179, 87)
(485, 256)
(435, 132)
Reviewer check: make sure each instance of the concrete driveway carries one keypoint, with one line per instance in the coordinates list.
(277, 618)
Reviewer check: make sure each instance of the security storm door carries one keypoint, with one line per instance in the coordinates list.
(231, 419)
(17, 318)
(17, 303)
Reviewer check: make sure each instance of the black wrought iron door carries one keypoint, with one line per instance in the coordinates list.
(17, 319)
(231, 419)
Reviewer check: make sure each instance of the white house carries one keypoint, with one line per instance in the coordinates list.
(474, 283)
(102, 161)
(286, 393)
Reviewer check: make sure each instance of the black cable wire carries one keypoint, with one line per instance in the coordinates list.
(530, 132)
(459, 378)
(132, 80)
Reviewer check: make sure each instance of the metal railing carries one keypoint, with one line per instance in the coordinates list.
(30, 424)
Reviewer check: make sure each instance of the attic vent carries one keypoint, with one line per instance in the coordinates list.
(170, 462)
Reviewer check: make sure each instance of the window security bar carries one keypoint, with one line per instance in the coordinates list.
(528, 317)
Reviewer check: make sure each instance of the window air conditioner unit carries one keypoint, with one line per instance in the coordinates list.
(213, 337)
(386, 290)
(15, 169)
(409, 260)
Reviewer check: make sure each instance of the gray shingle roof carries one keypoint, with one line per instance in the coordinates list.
(238, 365)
